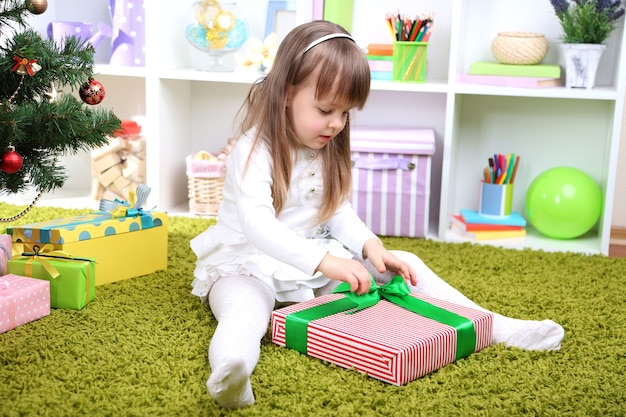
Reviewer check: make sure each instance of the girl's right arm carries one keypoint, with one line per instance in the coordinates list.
(346, 270)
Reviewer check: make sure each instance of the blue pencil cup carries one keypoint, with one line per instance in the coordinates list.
(495, 199)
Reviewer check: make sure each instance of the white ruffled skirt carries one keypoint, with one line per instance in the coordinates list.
(217, 259)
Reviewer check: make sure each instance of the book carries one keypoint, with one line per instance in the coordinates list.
(496, 68)
(479, 235)
(458, 222)
(382, 49)
(381, 75)
(379, 57)
(473, 216)
(337, 11)
(380, 65)
(510, 81)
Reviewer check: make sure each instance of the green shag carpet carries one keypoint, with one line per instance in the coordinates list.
(140, 348)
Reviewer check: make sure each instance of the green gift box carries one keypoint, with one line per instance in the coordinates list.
(72, 280)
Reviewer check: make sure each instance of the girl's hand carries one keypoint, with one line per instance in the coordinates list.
(384, 260)
(346, 270)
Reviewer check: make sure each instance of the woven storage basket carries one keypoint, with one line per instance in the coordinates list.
(519, 48)
(205, 179)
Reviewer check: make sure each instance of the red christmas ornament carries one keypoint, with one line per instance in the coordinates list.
(11, 161)
(92, 92)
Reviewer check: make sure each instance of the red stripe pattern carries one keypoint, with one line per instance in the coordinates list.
(385, 341)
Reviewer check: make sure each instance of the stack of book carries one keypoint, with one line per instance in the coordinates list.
(380, 59)
(508, 75)
(472, 225)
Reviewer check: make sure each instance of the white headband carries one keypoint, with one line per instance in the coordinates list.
(325, 38)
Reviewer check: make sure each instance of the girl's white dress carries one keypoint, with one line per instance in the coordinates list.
(284, 251)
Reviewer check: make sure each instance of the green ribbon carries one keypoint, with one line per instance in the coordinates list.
(395, 291)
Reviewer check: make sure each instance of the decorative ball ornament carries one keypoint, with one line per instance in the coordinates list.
(92, 92)
(38, 6)
(11, 161)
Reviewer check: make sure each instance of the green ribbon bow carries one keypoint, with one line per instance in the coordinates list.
(395, 291)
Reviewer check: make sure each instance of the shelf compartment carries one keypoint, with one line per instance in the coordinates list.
(544, 132)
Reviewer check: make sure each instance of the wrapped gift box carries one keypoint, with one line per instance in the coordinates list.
(72, 280)
(385, 341)
(22, 300)
(391, 179)
(5, 253)
(123, 247)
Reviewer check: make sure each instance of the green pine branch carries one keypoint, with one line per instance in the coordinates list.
(13, 12)
(41, 130)
(70, 65)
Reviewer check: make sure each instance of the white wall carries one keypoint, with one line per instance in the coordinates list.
(619, 206)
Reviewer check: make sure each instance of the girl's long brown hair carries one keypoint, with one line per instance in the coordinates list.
(343, 72)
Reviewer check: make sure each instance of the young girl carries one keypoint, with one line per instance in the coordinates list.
(285, 230)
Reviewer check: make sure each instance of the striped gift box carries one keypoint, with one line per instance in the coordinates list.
(391, 179)
(384, 341)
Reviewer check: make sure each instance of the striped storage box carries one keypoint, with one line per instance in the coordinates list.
(385, 341)
(391, 179)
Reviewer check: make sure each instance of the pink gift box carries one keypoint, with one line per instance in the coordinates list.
(385, 341)
(391, 171)
(5, 253)
(22, 300)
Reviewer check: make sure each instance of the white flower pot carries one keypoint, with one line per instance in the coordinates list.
(580, 61)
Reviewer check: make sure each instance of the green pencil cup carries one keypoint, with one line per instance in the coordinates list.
(409, 62)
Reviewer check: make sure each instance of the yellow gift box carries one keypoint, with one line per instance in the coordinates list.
(123, 247)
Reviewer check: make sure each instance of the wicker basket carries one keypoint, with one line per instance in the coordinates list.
(205, 180)
(519, 48)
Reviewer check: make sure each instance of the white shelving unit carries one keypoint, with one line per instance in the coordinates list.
(186, 110)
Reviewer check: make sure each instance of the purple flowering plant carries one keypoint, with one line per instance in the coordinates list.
(587, 21)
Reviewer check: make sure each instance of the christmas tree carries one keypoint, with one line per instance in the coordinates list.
(38, 121)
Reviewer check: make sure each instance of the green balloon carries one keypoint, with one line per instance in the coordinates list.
(563, 203)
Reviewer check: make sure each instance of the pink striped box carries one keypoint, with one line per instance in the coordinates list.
(385, 341)
(391, 179)
(22, 300)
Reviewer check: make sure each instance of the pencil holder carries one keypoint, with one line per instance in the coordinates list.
(409, 61)
(495, 199)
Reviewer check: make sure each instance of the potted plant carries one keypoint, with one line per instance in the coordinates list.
(586, 25)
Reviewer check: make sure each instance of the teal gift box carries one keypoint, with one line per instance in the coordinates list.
(392, 335)
(72, 280)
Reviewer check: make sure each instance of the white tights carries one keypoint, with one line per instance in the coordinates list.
(243, 308)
